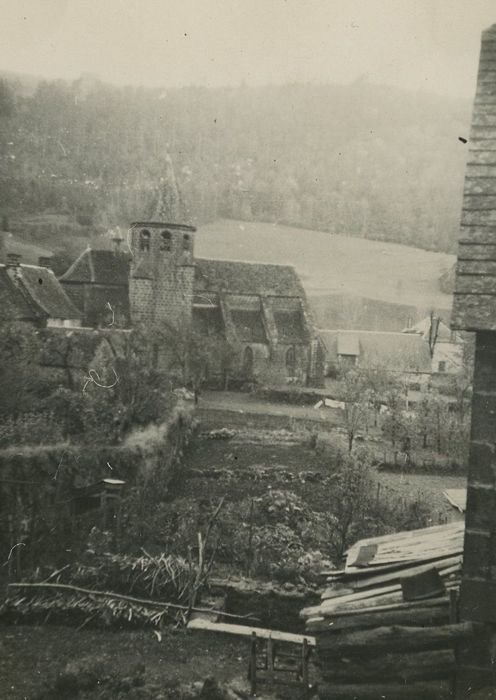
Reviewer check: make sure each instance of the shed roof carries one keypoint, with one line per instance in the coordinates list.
(474, 305)
(239, 277)
(395, 352)
(100, 267)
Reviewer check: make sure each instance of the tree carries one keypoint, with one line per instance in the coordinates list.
(21, 378)
(193, 356)
(355, 392)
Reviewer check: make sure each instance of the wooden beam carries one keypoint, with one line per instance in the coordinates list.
(414, 616)
(246, 631)
(395, 638)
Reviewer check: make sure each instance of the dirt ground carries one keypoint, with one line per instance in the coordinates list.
(30, 656)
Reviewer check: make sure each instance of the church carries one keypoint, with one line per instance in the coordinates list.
(154, 278)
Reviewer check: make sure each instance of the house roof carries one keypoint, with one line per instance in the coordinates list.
(47, 293)
(33, 292)
(291, 327)
(248, 325)
(239, 277)
(99, 267)
(474, 302)
(422, 327)
(15, 304)
(395, 352)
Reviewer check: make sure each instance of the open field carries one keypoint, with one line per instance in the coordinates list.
(331, 264)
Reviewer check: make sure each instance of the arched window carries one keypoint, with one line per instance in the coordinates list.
(291, 362)
(165, 241)
(145, 240)
(186, 241)
(248, 362)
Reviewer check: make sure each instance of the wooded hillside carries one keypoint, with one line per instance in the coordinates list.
(359, 160)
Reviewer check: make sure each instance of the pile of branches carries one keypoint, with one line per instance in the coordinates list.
(166, 576)
(63, 603)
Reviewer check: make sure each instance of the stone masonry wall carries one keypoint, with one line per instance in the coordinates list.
(478, 590)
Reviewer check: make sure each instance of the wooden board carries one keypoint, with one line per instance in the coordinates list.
(246, 631)
(413, 546)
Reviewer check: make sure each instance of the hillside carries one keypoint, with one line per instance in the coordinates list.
(359, 160)
(332, 267)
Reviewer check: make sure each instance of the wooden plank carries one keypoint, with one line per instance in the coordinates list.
(246, 631)
(384, 691)
(396, 638)
(406, 538)
(414, 616)
(446, 566)
(377, 609)
(480, 185)
(331, 608)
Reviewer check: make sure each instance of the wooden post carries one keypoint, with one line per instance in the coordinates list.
(270, 658)
(252, 670)
(304, 663)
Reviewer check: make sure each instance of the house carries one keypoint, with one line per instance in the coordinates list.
(32, 294)
(446, 346)
(406, 356)
(259, 309)
(97, 283)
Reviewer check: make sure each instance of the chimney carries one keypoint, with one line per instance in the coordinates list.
(13, 259)
(45, 261)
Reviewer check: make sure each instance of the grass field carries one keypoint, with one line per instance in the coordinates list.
(330, 264)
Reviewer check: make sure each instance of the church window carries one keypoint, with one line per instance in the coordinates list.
(291, 362)
(186, 241)
(145, 241)
(165, 241)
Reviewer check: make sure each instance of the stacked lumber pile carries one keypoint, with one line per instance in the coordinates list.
(386, 624)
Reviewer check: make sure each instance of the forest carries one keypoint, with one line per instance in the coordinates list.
(359, 160)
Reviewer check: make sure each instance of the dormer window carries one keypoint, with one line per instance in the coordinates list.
(186, 241)
(144, 242)
(165, 241)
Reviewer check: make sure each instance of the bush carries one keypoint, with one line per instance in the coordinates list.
(30, 429)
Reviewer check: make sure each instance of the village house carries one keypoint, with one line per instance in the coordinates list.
(405, 357)
(32, 294)
(446, 346)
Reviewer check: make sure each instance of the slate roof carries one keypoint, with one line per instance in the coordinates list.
(248, 325)
(395, 352)
(474, 304)
(15, 305)
(99, 267)
(290, 326)
(423, 326)
(247, 278)
(47, 293)
(34, 294)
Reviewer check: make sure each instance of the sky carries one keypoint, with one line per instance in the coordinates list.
(430, 45)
